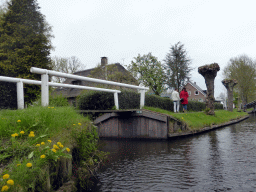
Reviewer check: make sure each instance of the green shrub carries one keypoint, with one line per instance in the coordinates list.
(96, 100)
(159, 102)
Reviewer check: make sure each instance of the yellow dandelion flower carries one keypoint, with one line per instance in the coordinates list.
(37, 145)
(54, 150)
(31, 135)
(22, 132)
(10, 182)
(59, 143)
(13, 135)
(42, 156)
(74, 124)
(79, 123)
(5, 188)
(18, 165)
(61, 146)
(67, 149)
(18, 121)
(52, 107)
(29, 164)
(32, 132)
(49, 141)
(43, 143)
(6, 176)
(55, 147)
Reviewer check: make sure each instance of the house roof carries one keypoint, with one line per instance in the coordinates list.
(72, 92)
(196, 87)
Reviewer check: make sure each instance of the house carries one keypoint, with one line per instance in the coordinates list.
(112, 72)
(195, 92)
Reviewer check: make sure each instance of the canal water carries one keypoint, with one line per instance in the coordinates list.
(219, 160)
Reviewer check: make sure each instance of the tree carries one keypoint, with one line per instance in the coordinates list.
(25, 41)
(243, 69)
(149, 72)
(177, 66)
(209, 72)
(229, 84)
(65, 65)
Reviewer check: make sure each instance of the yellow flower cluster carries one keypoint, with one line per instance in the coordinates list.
(15, 135)
(29, 164)
(77, 124)
(19, 121)
(9, 182)
(42, 156)
(31, 134)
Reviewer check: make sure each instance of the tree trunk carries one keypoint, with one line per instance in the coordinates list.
(209, 73)
(229, 84)
(209, 81)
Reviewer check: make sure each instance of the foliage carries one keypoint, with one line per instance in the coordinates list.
(65, 65)
(149, 72)
(243, 69)
(177, 66)
(55, 100)
(25, 42)
(160, 102)
(95, 100)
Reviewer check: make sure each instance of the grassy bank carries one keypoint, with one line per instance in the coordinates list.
(38, 137)
(198, 120)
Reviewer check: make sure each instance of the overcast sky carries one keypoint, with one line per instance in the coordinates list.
(211, 30)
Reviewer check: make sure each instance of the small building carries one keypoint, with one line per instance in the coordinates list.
(195, 92)
(112, 72)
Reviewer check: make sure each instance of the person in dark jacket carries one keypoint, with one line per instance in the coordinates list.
(184, 96)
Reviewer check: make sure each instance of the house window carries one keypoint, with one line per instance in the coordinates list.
(189, 93)
(196, 93)
(78, 82)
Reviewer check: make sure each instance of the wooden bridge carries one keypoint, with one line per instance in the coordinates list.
(135, 123)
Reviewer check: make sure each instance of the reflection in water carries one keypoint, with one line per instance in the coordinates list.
(220, 160)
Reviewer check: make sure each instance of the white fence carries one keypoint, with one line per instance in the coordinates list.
(45, 86)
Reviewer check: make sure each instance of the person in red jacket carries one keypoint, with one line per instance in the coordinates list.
(184, 96)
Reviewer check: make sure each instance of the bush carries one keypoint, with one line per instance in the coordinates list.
(159, 102)
(95, 100)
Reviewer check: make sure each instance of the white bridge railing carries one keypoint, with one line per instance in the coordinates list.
(45, 86)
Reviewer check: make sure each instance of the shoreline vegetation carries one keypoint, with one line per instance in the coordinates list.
(43, 147)
(199, 120)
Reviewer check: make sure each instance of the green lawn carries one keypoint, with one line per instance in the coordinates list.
(198, 120)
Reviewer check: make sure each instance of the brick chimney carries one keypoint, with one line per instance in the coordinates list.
(104, 61)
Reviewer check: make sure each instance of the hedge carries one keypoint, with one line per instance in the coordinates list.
(92, 100)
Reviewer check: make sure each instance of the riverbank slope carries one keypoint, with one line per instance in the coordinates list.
(199, 121)
(43, 147)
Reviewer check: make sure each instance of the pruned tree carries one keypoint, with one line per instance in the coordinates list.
(149, 72)
(65, 65)
(243, 69)
(229, 84)
(209, 73)
(177, 66)
(25, 42)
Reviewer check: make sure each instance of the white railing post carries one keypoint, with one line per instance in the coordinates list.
(45, 89)
(142, 98)
(20, 95)
(116, 100)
